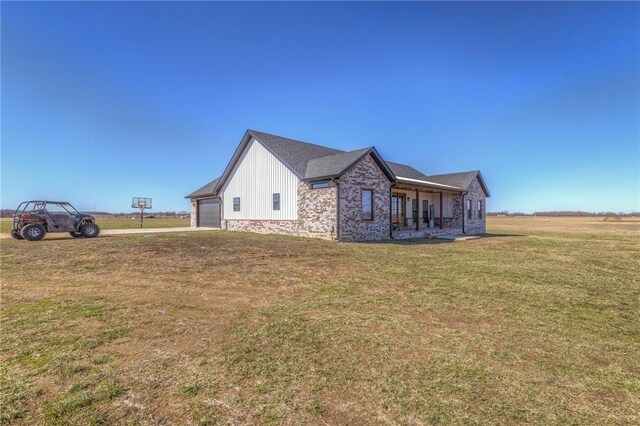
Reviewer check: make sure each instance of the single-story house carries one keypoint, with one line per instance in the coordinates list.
(279, 185)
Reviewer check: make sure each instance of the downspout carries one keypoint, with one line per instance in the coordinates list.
(337, 209)
(463, 194)
(390, 209)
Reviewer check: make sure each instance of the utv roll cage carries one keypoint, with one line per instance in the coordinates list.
(41, 205)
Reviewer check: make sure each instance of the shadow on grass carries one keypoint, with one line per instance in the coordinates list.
(409, 241)
(501, 235)
(435, 240)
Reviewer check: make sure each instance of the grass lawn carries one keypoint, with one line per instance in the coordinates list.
(120, 223)
(537, 323)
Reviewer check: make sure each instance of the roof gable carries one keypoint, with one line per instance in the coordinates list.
(461, 180)
(294, 154)
(336, 165)
(402, 170)
(204, 191)
(322, 162)
(333, 165)
(313, 162)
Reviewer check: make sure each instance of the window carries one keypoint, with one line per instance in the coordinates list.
(236, 204)
(469, 209)
(319, 185)
(367, 204)
(425, 211)
(479, 209)
(276, 201)
(414, 210)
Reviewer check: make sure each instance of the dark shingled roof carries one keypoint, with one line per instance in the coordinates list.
(402, 170)
(310, 161)
(333, 165)
(205, 190)
(461, 179)
(293, 153)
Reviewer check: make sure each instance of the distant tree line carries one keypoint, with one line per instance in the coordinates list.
(9, 213)
(564, 213)
(146, 212)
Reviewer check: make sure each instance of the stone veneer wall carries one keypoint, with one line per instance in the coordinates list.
(287, 227)
(194, 213)
(476, 225)
(364, 175)
(317, 211)
(316, 216)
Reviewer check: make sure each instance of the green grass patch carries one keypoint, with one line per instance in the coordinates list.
(536, 324)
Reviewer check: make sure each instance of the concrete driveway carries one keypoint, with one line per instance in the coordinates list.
(134, 231)
(154, 230)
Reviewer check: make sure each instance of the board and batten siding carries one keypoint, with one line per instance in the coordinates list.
(256, 177)
(447, 202)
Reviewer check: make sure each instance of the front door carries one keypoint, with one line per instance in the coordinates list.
(398, 214)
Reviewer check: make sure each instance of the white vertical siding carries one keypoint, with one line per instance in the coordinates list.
(256, 177)
(447, 202)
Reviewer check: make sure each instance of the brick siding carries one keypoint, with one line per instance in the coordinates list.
(364, 175)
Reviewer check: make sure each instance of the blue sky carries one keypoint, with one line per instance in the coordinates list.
(105, 101)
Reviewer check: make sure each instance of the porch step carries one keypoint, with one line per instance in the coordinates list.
(447, 233)
(459, 237)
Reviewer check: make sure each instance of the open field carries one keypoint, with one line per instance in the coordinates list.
(537, 323)
(120, 223)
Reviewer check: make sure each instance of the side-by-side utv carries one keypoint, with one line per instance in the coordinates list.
(33, 219)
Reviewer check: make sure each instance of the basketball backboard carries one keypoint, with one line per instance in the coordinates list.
(141, 203)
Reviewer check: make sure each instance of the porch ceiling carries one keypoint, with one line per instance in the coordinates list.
(424, 186)
(422, 189)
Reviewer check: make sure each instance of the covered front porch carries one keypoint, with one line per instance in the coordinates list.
(421, 209)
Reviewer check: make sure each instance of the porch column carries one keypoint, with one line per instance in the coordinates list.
(441, 220)
(417, 218)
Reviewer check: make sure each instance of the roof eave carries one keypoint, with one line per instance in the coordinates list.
(193, 196)
(428, 184)
(319, 178)
(483, 185)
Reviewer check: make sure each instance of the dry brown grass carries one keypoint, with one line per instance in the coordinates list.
(109, 222)
(536, 325)
(566, 225)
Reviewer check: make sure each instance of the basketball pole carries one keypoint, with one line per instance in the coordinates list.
(141, 203)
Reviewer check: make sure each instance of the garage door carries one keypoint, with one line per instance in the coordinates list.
(209, 213)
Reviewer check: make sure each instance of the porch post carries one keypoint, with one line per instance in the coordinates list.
(417, 218)
(441, 221)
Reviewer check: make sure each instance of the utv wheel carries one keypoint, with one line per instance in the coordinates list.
(90, 230)
(15, 234)
(33, 232)
(75, 234)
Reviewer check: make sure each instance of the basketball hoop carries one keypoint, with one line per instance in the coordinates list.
(141, 203)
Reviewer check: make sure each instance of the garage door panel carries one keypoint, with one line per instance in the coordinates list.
(209, 213)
